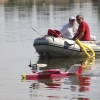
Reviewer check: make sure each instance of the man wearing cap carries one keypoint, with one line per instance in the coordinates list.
(83, 32)
(69, 30)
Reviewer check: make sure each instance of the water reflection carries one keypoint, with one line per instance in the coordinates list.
(74, 85)
(67, 62)
(68, 85)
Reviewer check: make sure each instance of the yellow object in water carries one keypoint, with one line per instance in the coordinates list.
(88, 62)
(84, 47)
(24, 77)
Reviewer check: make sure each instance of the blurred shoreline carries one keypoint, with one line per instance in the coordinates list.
(47, 1)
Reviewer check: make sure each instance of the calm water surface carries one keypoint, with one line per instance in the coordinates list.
(17, 18)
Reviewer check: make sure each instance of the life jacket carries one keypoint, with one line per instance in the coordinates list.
(54, 33)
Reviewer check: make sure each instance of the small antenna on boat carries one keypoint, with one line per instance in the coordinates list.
(37, 31)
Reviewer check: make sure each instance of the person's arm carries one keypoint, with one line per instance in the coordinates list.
(80, 35)
(75, 36)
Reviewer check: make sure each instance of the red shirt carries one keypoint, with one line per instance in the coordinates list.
(83, 27)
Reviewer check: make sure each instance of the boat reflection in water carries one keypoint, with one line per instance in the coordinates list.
(65, 63)
(73, 86)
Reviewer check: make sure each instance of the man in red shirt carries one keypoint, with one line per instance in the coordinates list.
(83, 32)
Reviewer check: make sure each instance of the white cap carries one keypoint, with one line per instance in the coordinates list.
(71, 18)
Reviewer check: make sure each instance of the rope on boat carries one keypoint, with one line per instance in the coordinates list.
(84, 47)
